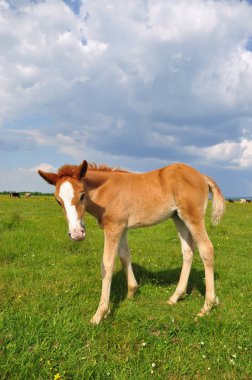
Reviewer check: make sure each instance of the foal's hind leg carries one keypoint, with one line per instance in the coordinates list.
(124, 255)
(187, 245)
(207, 255)
(199, 233)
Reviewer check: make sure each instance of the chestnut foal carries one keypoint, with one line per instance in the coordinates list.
(121, 200)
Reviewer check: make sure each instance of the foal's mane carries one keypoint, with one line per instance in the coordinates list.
(105, 168)
(73, 170)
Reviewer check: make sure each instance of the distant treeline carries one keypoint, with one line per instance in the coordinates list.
(33, 193)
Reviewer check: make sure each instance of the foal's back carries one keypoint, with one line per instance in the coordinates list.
(149, 198)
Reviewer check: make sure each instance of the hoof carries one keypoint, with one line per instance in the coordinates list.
(171, 301)
(102, 312)
(131, 292)
(95, 320)
(202, 313)
(175, 298)
(208, 306)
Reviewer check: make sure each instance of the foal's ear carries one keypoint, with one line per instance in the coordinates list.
(51, 178)
(82, 169)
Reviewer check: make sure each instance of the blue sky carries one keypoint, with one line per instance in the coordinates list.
(138, 84)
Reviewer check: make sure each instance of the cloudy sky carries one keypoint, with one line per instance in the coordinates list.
(138, 84)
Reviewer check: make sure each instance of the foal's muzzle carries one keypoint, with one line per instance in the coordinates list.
(77, 234)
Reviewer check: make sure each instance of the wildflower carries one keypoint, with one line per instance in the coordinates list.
(202, 343)
(234, 356)
(232, 361)
(57, 376)
(153, 365)
(144, 344)
(204, 356)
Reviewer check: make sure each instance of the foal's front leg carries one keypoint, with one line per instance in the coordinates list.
(111, 244)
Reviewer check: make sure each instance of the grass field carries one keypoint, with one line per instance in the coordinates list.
(50, 288)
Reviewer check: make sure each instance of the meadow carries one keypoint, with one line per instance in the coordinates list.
(50, 288)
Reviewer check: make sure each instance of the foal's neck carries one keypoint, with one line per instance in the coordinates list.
(94, 179)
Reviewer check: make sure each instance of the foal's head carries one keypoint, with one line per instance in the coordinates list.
(70, 194)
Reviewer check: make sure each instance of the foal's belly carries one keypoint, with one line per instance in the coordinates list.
(146, 218)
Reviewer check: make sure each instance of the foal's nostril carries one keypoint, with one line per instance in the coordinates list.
(77, 234)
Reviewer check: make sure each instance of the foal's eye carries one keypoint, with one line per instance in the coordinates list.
(82, 197)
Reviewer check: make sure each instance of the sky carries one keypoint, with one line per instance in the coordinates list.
(136, 84)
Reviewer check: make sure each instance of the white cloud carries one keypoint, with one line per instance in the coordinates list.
(46, 58)
(153, 56)
(135, 82)
(167, 21)
(229, 83)
(230, 154)
(244, 160)
(43, 166)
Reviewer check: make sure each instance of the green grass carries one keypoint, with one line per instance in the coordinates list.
(50, 288)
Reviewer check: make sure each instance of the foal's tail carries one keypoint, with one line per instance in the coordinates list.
(218, 207)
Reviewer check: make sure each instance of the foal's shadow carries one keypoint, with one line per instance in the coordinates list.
(164, 278)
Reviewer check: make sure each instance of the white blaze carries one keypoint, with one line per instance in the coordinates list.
(66, 194)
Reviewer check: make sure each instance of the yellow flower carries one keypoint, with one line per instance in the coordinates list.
(57, 376)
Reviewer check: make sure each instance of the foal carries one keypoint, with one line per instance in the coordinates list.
(121, 200)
